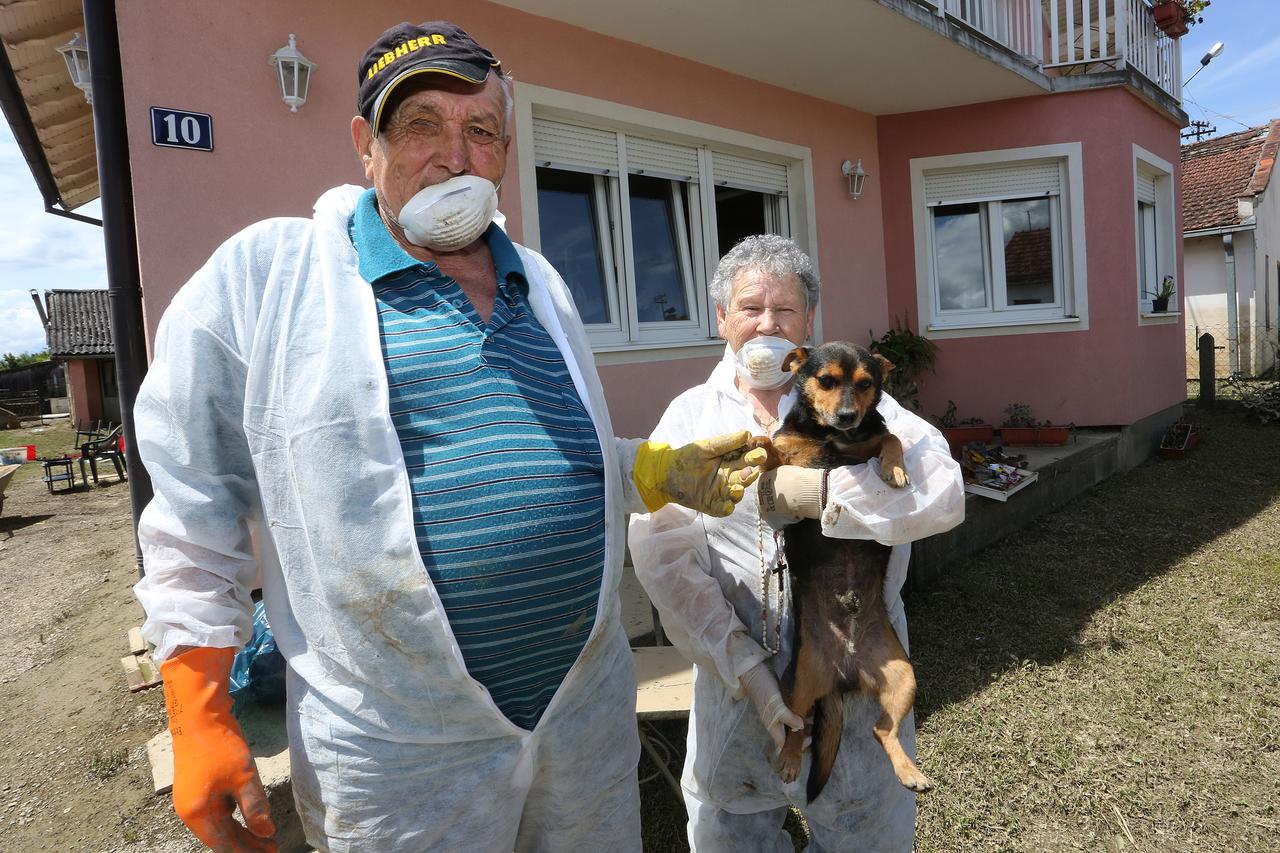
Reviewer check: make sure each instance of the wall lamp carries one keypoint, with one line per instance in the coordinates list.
(76, 54)
(857, 177)
(294, 71)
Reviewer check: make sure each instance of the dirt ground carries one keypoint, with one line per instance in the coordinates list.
(73, 769)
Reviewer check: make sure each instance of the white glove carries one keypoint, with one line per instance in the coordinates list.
(762, 686)
(790, 493)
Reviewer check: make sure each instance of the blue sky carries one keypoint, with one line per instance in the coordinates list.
(1241, 88)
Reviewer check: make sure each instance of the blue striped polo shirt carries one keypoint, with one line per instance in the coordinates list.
(504, 463)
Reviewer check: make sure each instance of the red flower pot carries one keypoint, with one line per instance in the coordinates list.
(1043, 436)
(957, 437)
(1171, 18)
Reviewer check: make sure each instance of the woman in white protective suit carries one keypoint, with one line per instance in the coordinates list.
(723, 608)
(404, 405)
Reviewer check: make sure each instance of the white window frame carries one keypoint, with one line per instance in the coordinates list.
(659, 341)
(1071, 309)
(1154, 168)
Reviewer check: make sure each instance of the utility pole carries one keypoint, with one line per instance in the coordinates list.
(1199, 129)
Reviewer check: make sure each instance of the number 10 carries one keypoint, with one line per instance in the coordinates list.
(189, 127)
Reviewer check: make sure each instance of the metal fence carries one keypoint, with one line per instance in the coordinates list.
(1251, 353)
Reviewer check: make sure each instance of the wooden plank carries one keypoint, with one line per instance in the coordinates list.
(140, 671)
(150, 672)
(664, 683)
(160, 757)
(132, 673)
(137, 645)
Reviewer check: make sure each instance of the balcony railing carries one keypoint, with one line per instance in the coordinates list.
(1076, 36)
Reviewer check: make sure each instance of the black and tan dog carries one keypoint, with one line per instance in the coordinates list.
(844, 642)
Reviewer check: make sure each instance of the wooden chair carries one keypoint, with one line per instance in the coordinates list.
(106, 447)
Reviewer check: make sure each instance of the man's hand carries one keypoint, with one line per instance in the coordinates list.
(762, 688)
(709, 475)
(213, 770)
(790, 493)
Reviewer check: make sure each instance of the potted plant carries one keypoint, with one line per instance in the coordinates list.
(1175, 17)
(1160, 299)
(1021, 429)
(1180, 437)
(912, 355)
(960, 433)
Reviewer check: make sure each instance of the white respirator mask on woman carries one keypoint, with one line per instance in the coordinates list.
(759, 362)
(449, 216)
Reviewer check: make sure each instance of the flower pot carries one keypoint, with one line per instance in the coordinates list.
(1159, 306)
(1041, 436)
(1177, 440)
(1170, 17)
(958, 436)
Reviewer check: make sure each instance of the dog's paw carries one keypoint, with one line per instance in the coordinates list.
(917, 782)
(789, 766)
(896, 477)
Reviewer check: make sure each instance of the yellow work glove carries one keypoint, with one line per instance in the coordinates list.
(709, 475)
(212, 767)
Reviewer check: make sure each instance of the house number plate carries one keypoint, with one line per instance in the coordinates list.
(181, 129)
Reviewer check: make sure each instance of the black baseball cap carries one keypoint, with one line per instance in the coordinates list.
(407, 50)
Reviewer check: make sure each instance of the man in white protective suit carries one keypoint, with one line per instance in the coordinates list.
(403, 405)
(724, 608)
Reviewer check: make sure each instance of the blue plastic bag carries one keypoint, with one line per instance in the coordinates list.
(257, 672)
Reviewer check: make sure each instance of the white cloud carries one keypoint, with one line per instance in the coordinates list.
(1255, 62)
(20, 328)
(39, 250)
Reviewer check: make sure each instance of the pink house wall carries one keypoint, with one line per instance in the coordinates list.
(85, 388)
(1116, 372)
(267, 161)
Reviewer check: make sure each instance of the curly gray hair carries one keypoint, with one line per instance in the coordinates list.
(764, 253)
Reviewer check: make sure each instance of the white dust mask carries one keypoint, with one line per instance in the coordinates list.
(451, 215)
(759, 362)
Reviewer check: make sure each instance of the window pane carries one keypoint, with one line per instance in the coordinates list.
(1147, 249)
(957, 238)
(660, 282)
(1028, 252)
(739, 213)
(569, 225)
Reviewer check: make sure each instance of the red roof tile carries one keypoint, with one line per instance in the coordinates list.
(1217, 172)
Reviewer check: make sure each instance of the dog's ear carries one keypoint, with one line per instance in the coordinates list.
(795, 359)
(885, 364)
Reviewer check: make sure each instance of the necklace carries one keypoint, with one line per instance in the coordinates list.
(767, 571)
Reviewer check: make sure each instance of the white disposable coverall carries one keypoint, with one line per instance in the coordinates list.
(703, 574)
(266, 406)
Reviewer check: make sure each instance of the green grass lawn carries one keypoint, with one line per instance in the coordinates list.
(54, 439)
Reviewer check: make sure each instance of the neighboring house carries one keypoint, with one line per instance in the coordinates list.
(1009, 145)
(1231, 245)
(78, 326)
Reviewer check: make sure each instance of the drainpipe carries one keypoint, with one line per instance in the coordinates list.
(1233, 329)
(115, 185)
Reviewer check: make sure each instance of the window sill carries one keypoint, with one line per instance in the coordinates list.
(611, 354)
(1003, 327)
(1157, 317)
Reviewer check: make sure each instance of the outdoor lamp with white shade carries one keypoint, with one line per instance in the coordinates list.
(857, 177)
(295, 73)
(76, 54)
(1207, 58)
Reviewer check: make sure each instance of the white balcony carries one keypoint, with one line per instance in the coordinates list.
(1069, 37)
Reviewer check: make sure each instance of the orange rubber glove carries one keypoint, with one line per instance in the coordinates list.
(212, 767)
